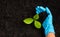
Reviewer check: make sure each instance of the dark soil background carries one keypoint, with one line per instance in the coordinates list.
(12, 13)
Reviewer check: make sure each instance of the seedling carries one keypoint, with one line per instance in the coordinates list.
(37, 24)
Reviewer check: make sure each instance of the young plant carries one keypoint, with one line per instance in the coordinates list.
(37, 24)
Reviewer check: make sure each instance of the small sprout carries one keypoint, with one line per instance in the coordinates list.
(37, 24)
(28, 20)
(36, 17)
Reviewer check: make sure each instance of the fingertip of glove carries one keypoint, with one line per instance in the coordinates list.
(40, 9)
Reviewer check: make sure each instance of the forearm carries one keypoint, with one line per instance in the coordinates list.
(51, 35)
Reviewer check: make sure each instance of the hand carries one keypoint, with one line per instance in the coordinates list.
(48, 23)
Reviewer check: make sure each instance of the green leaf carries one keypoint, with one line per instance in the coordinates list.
(36, 17)
(37, 24)
(28, 20)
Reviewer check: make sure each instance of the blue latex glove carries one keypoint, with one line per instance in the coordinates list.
(48, 23)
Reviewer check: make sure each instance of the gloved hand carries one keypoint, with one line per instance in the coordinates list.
(48, 23)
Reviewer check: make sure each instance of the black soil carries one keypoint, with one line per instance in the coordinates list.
(13, 12)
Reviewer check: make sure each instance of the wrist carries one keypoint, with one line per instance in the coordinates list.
(49, 29)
